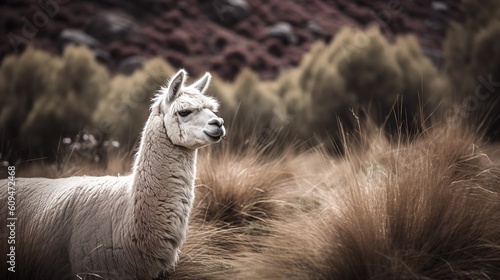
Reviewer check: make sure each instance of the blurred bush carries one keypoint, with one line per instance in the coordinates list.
(46, 98)
(338, 85)
(252, 111)
(394, 84)
(121, 114)
(472, 51)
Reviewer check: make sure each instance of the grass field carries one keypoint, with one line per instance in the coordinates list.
(411, 209)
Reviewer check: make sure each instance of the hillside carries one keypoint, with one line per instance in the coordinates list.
(221, 36)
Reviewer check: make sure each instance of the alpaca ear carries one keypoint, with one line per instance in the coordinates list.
(203, 83)
(175, 85)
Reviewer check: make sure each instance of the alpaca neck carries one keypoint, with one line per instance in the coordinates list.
(163, 192)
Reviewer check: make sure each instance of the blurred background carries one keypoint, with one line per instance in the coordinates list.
(76, 77)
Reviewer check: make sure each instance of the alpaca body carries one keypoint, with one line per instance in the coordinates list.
(128, 227)
(84, 225)
(55, 215)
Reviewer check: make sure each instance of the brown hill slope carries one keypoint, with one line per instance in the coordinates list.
(222, 36)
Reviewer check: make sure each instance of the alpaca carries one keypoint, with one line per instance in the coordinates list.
(128, 227)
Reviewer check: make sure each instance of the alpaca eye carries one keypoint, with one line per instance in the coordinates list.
(184, 113)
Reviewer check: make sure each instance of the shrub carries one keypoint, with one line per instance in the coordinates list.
(472, 52)
(18, 96)
(251, 109)
(121, 114)
(65, 109)
(374, 76)
(47, 98)
(340, 82)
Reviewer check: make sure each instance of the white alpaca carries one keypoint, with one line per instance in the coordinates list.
(128, 227)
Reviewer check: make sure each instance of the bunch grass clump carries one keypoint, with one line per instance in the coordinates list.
(389, 83)
(46, 98)
(425, 208)
(472, 52)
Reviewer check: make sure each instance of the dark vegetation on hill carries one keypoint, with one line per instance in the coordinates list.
(221, 36)
(472, 50)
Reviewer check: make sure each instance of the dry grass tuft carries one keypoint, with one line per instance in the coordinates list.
(425, 210)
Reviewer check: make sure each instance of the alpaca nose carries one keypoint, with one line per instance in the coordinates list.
(216, 121)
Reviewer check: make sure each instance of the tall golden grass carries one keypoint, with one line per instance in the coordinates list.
(420, 209)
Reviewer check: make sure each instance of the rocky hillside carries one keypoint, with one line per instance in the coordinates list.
(222, 36)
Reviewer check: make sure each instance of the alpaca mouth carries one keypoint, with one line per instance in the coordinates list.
(214, 135)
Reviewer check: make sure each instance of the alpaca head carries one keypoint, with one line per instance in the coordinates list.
(188, 114)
